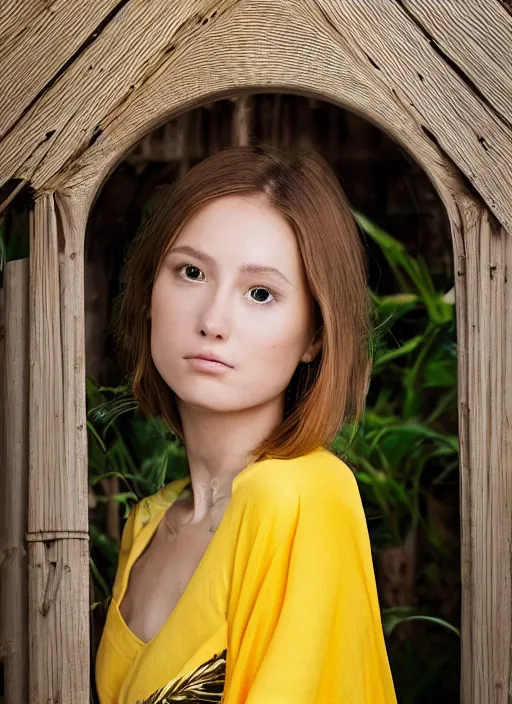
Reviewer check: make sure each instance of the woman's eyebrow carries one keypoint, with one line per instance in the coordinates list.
(185, 249)
(261, 269)
(245, 268)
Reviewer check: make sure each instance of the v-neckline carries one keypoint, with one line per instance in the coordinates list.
(145, 538)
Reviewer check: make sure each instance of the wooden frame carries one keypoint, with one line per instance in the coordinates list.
(86, 86)
(14, 373)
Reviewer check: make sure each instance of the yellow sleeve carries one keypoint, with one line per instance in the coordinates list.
(140, 514)
(304, 624)
(109, 666)
(127, 538)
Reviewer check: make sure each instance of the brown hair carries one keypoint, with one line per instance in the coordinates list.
(301, 186)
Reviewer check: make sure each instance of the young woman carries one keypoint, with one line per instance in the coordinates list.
(244, 325)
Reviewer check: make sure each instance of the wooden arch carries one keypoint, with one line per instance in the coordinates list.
(87, 80)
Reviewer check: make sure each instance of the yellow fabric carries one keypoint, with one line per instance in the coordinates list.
(283, 603)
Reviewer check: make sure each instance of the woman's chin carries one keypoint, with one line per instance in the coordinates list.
(209, 404)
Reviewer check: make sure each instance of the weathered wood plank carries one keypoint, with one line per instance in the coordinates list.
(441, 102)
(47, 469)
(484, 329)
(14, 372)
(242, 121)
(57, 434)
(151, 61)
(57, 511)
(72, 215)
(59, 622)
(477, 37)
(256, 54)
(129, 49)
(37, 39)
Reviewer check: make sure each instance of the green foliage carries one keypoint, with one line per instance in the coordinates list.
(403, 431)
(405, 456)
(141, 451)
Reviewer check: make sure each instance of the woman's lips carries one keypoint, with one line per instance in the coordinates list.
(208, 365)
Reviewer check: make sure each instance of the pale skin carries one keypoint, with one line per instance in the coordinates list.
(214, 295)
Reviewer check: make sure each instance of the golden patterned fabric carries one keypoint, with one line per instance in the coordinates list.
(204, 684)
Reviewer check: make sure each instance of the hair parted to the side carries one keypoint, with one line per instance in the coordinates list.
(323, 394)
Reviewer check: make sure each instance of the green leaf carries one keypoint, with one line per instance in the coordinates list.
(99, 579)
(121, 497)
(93, 431)
(104, 543)
(391, 618)
(404, 349)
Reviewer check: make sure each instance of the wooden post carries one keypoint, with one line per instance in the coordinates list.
(13, 481)
(57, 507)
(484, 326)
(242, 119)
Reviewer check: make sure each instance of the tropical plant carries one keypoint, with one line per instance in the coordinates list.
(404, 454)
(413, 391)
(139, 451)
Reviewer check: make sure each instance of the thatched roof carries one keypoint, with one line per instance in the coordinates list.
(82, 80)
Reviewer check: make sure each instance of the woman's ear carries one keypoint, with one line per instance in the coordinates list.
(312, 351)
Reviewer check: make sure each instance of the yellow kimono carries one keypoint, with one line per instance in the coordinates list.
(282, 608)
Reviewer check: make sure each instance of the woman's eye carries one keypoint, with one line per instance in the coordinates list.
(192, 272)
(261, 295)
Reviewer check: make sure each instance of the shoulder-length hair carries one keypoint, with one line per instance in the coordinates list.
(323, 394)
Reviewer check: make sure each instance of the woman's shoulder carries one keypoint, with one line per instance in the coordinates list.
(150, 506)
(318, 477)
(299, 503)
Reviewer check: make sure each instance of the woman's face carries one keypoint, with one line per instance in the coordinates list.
(232, 286)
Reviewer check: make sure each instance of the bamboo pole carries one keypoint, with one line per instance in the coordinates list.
(13, 490)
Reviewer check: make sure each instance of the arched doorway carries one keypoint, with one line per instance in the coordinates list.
(417, 572)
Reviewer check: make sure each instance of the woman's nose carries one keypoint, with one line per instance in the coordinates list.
(214, 320)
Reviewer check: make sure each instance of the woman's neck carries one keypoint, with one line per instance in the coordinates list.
(219, 445)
